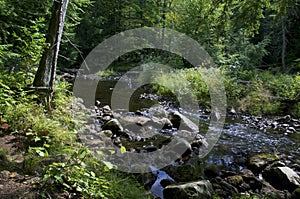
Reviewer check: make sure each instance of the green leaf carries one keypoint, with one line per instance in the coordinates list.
(41, 153)
(109, 165)
(123, 149)
(37, 139)
(82, 154)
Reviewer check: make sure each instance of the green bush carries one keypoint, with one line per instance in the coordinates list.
(248, 91)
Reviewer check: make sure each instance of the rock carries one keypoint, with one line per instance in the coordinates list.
(292, 129)
(296, 194)
(247, 173)
(107, 133)
(250, 179)
(212, 171)
(270, 192)
(238, 182)
(199, 143)
(150, 148)
(157, 111)
(180, 121)
(181, 147)
(261, 161)
(184, 173)
(161, 123)
(226, 188)
(167, 124)
(235, 180)
(106, 109)
(201, 190)
(282, 178)
(138, 120)
(113, 125)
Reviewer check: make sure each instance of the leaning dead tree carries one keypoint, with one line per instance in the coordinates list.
(45, 76)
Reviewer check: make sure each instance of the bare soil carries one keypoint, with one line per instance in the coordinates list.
(14, 184)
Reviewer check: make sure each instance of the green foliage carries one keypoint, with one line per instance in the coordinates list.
(254, 91)
(106, 73)
(74, 176)
(48, 140)
(29, 45)
(86, 177)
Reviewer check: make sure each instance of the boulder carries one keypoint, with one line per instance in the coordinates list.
(282, 178)
(157, 111)
(268, 191)
(235, 180)
(200, 190)
(107, 133)
(181, 122)
(113, 125)
(138, 120)
(212, 171)
(250, 179)
(161, 123)
(184, 173)
(224, 187)
(258, 162)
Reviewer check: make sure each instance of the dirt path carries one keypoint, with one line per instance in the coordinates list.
(12, 184)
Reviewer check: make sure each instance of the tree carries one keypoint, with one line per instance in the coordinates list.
(45, 75)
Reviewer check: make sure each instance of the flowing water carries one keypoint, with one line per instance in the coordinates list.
(237, 141)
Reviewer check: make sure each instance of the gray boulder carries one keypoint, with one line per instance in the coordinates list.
(282, 178)
(196, 190)
(181, 122)
(137, 120)
(157, 111)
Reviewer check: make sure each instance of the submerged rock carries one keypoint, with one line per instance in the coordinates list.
(200, 189)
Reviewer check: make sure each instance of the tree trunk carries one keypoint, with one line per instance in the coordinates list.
(284, 44)
(45, 75)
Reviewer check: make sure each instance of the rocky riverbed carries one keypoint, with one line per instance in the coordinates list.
(244, 162)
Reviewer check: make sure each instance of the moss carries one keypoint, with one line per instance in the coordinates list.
(267, 156)
(235, 180)
(260, 161)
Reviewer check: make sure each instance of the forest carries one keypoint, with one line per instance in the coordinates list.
(49, 149)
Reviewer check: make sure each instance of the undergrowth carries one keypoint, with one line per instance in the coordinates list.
(48, 139)
(254, 92)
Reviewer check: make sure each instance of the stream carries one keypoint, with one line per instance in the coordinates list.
(236, 144)
(236, 139)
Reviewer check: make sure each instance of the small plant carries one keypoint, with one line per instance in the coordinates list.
(75, 176)
(33, 141)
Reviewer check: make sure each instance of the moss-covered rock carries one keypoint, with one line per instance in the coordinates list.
(235, 180)
(258, 162)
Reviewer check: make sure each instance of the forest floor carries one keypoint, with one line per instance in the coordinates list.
(14, 183)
